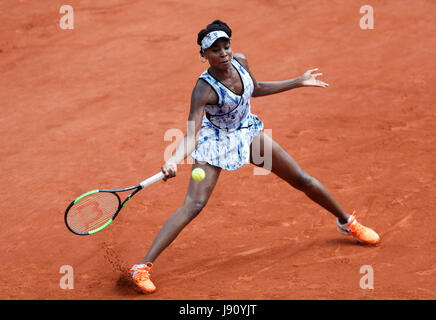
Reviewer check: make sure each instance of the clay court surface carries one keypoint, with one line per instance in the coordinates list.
(89, 108)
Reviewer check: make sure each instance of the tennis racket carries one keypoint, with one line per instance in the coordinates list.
(94, 210)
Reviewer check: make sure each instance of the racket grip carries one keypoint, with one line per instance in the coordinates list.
(151, 180)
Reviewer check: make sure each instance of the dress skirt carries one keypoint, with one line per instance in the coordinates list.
(227, 149)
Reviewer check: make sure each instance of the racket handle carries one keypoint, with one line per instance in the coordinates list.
(151, 180)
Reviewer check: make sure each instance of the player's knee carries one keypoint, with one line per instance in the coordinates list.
(198, 205)
(194, 207)
(303, 181)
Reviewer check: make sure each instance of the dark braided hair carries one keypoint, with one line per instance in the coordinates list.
(216, 25)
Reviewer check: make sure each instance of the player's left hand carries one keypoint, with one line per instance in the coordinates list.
(308, 79)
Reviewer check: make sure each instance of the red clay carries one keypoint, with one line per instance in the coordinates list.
(88, 108)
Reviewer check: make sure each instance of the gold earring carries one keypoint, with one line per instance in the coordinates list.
(202, 61)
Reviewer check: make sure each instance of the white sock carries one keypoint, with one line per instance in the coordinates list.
(135, 267)
(345, 226)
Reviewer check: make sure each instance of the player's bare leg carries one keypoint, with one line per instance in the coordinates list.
(196, 198)
(285, 167)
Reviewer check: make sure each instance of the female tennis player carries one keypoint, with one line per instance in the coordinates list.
(221, 131)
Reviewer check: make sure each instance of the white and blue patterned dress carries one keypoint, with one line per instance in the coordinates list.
(229, 127)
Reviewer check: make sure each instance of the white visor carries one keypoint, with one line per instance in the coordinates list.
(211, 37)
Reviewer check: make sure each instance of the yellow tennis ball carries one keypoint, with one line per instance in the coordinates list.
(198, 174)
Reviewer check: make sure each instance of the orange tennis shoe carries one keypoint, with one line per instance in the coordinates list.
(141, 277)
(358, 231)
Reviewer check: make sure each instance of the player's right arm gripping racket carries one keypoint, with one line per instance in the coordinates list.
(95, 210)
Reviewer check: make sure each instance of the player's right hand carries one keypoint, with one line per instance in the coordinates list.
(169, 169)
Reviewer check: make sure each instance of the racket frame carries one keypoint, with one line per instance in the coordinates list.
(136, 189)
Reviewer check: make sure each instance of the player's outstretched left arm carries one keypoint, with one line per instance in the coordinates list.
(264, 88)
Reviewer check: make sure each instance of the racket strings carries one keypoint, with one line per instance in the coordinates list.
(93, 211)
